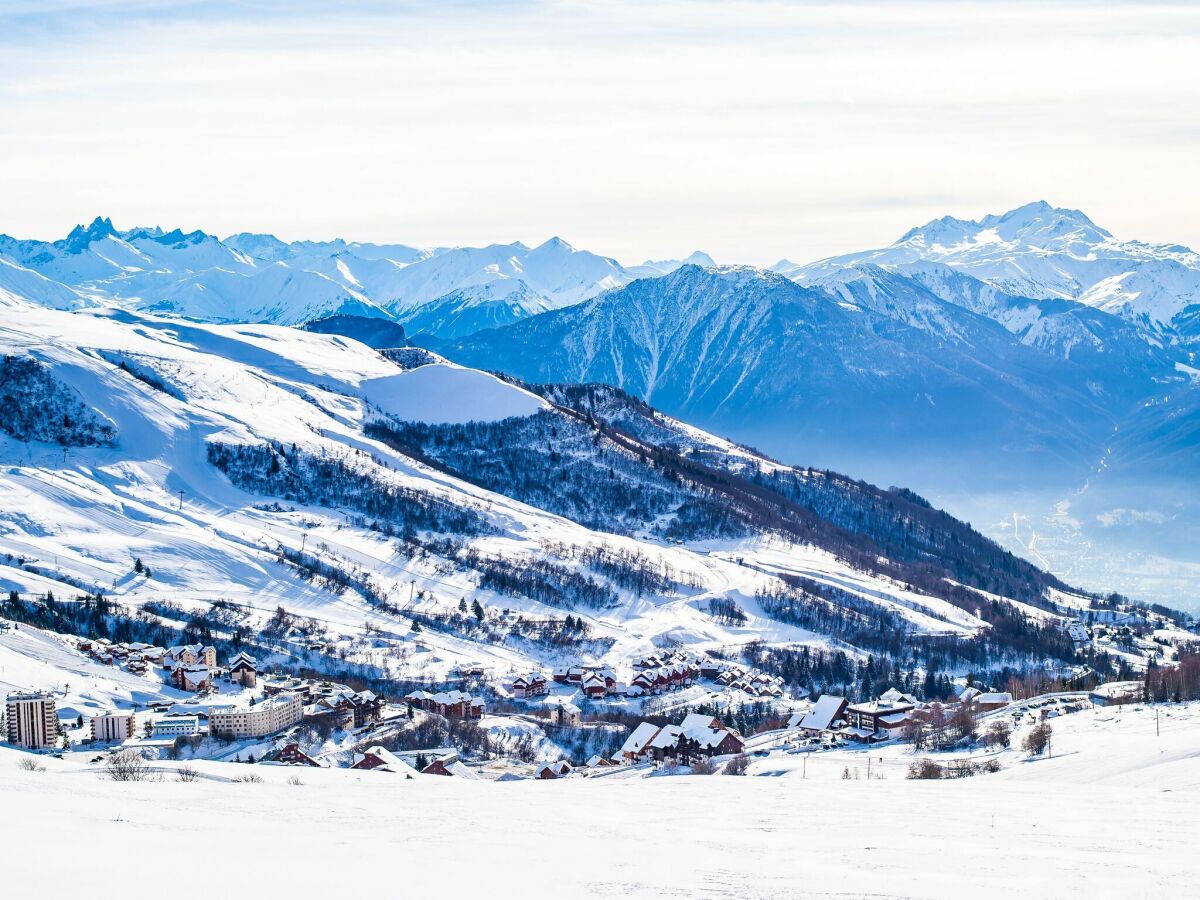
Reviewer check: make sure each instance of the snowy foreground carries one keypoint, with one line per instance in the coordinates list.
(1113, 814)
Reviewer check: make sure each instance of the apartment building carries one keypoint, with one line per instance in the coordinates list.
(113, 726)
(268, 717)
(32, 720)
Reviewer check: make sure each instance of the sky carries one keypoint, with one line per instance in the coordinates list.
(755, 131)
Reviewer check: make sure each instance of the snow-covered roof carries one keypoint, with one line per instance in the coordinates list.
(639, 738)
(391, 762)
(823, 712)
(995, 697)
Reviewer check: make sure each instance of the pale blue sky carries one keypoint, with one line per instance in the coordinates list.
(751, 130)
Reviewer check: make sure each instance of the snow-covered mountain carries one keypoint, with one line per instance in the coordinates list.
(274, 466)
(259, 278)
(1066, 430)
(653, 267)
(1045, 252)
(828, 372)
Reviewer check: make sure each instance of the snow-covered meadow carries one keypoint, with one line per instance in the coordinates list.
(1113, 814)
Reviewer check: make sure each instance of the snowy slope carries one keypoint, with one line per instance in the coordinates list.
(990, 836)
(171, 389)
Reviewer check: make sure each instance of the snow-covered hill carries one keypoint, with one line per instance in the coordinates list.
(270, 467)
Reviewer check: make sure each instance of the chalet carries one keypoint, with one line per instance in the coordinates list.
(135, 665)
(564, 714)
(191, 655)
(643, 681)
(353, 709)
(381, 760)
(992, 700)
(710, 670)
(575, 675)
(636, 746)
(968, 693)
(867, 720)
(824, 716)
(454, 704)
(593, 687)
(1115, 693)
(532, 684)
(452, 768)
(599, 762)
(697, 736)
(243, 669)
(302, 686)
(153, 655)
(194, 678)
(368, 707)
(560, 674)
(290, 754)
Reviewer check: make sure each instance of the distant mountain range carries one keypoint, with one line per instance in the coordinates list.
(259, 278)
(1024, 352)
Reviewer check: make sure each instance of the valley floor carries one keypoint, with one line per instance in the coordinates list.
(1072, 826)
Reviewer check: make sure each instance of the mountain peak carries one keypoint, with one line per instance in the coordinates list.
(80, 237)
(555, 243)
(1033, 223)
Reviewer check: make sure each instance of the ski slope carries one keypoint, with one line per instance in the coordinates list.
(79, 518)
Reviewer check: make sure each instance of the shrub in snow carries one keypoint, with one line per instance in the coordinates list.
(130, 765)
(738, 765)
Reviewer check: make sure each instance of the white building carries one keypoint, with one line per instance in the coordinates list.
(268, 717)
(177, 726)
(113, 726)
(32, 720)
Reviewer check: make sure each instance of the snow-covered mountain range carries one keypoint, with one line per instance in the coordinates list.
(1027, 351)
(259, 278)
(1045, 252)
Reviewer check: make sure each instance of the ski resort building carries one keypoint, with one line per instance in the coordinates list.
(177, 726)
(564, 714)
(243, 669)
(827, 711)
(270, 716)
(876, 719)
(532, 684)
(382, 760)
(290, 754)
(32, 720)
(697, 736)
(114, 726)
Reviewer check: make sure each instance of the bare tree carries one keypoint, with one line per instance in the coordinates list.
(1038, 739)
(738, 765)
(30, 764)
(187, 773)
(999, 733)
(916, 732)
(129, 765)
